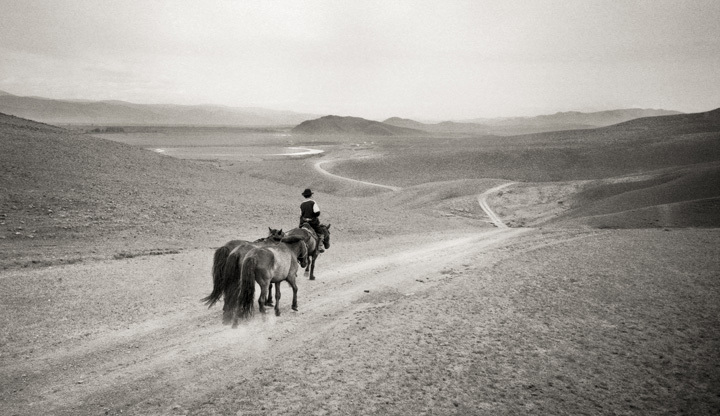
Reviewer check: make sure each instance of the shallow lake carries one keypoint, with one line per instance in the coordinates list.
(222, 144)
(235, 152)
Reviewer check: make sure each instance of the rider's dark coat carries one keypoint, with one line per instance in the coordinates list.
(309, 212)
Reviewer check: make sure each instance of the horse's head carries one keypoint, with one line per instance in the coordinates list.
(275, 235)
(303, 254)
(299, 247)
(326, 236)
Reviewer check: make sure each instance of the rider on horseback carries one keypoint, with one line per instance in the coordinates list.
(309, 213)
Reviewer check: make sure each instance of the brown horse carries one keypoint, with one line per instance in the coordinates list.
(220, 261)
(266, 265)
(312, 240)
(233, 269)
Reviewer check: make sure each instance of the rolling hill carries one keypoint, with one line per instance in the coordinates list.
(65, 192)
(67, 197)
(71, 196)
(681, 197)
(576, 118)
(571, 120)
(336, 125)
(659, 171)
(123, 113)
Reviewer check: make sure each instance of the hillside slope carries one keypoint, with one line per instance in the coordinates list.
(336, 125)
(66, 197)
(683, 123)
(650, 172)
(63, 192)
(677, 198)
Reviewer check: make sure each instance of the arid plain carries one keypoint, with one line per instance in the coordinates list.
(600, 297)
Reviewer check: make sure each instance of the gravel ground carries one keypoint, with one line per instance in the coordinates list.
(420, 306)
(496, 322)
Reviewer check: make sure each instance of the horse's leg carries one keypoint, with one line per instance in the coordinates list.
(269, 301)
(295, 289)
(311, 265)
(277, 298)
(263, 294)
(307, 268)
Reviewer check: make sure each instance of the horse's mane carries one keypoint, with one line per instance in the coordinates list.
(291, 239)
(275, 235)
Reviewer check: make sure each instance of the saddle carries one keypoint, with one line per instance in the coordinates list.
(305, 223)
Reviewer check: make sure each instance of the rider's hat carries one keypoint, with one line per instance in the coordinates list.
(307, 193)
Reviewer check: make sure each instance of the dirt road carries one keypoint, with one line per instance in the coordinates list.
(319, 168)
(143, 344)
(506, 321)
(503, 321)
(482, 200)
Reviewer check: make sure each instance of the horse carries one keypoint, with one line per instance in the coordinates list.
(266, 265)
(220, 261)
(233, 269)
(312, 240)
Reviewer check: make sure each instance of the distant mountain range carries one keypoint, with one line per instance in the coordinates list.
(123, 113)
(106, 113)
(396, 126)
(571, 120)
(337, 125)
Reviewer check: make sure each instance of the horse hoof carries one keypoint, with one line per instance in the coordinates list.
(277, 313)
(294, 308)
(269, 304)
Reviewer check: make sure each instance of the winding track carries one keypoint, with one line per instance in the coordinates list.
(482, 198)
(319, 168)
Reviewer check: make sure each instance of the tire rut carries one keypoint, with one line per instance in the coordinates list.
(180, 357)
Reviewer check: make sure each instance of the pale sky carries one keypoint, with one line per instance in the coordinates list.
(426, 60)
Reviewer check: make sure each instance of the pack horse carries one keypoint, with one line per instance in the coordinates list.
(265, 266)
(228, 255)
(239, 264)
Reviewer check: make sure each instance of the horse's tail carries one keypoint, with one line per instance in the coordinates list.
(247, 288)
(218, 273)
(231, 285)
